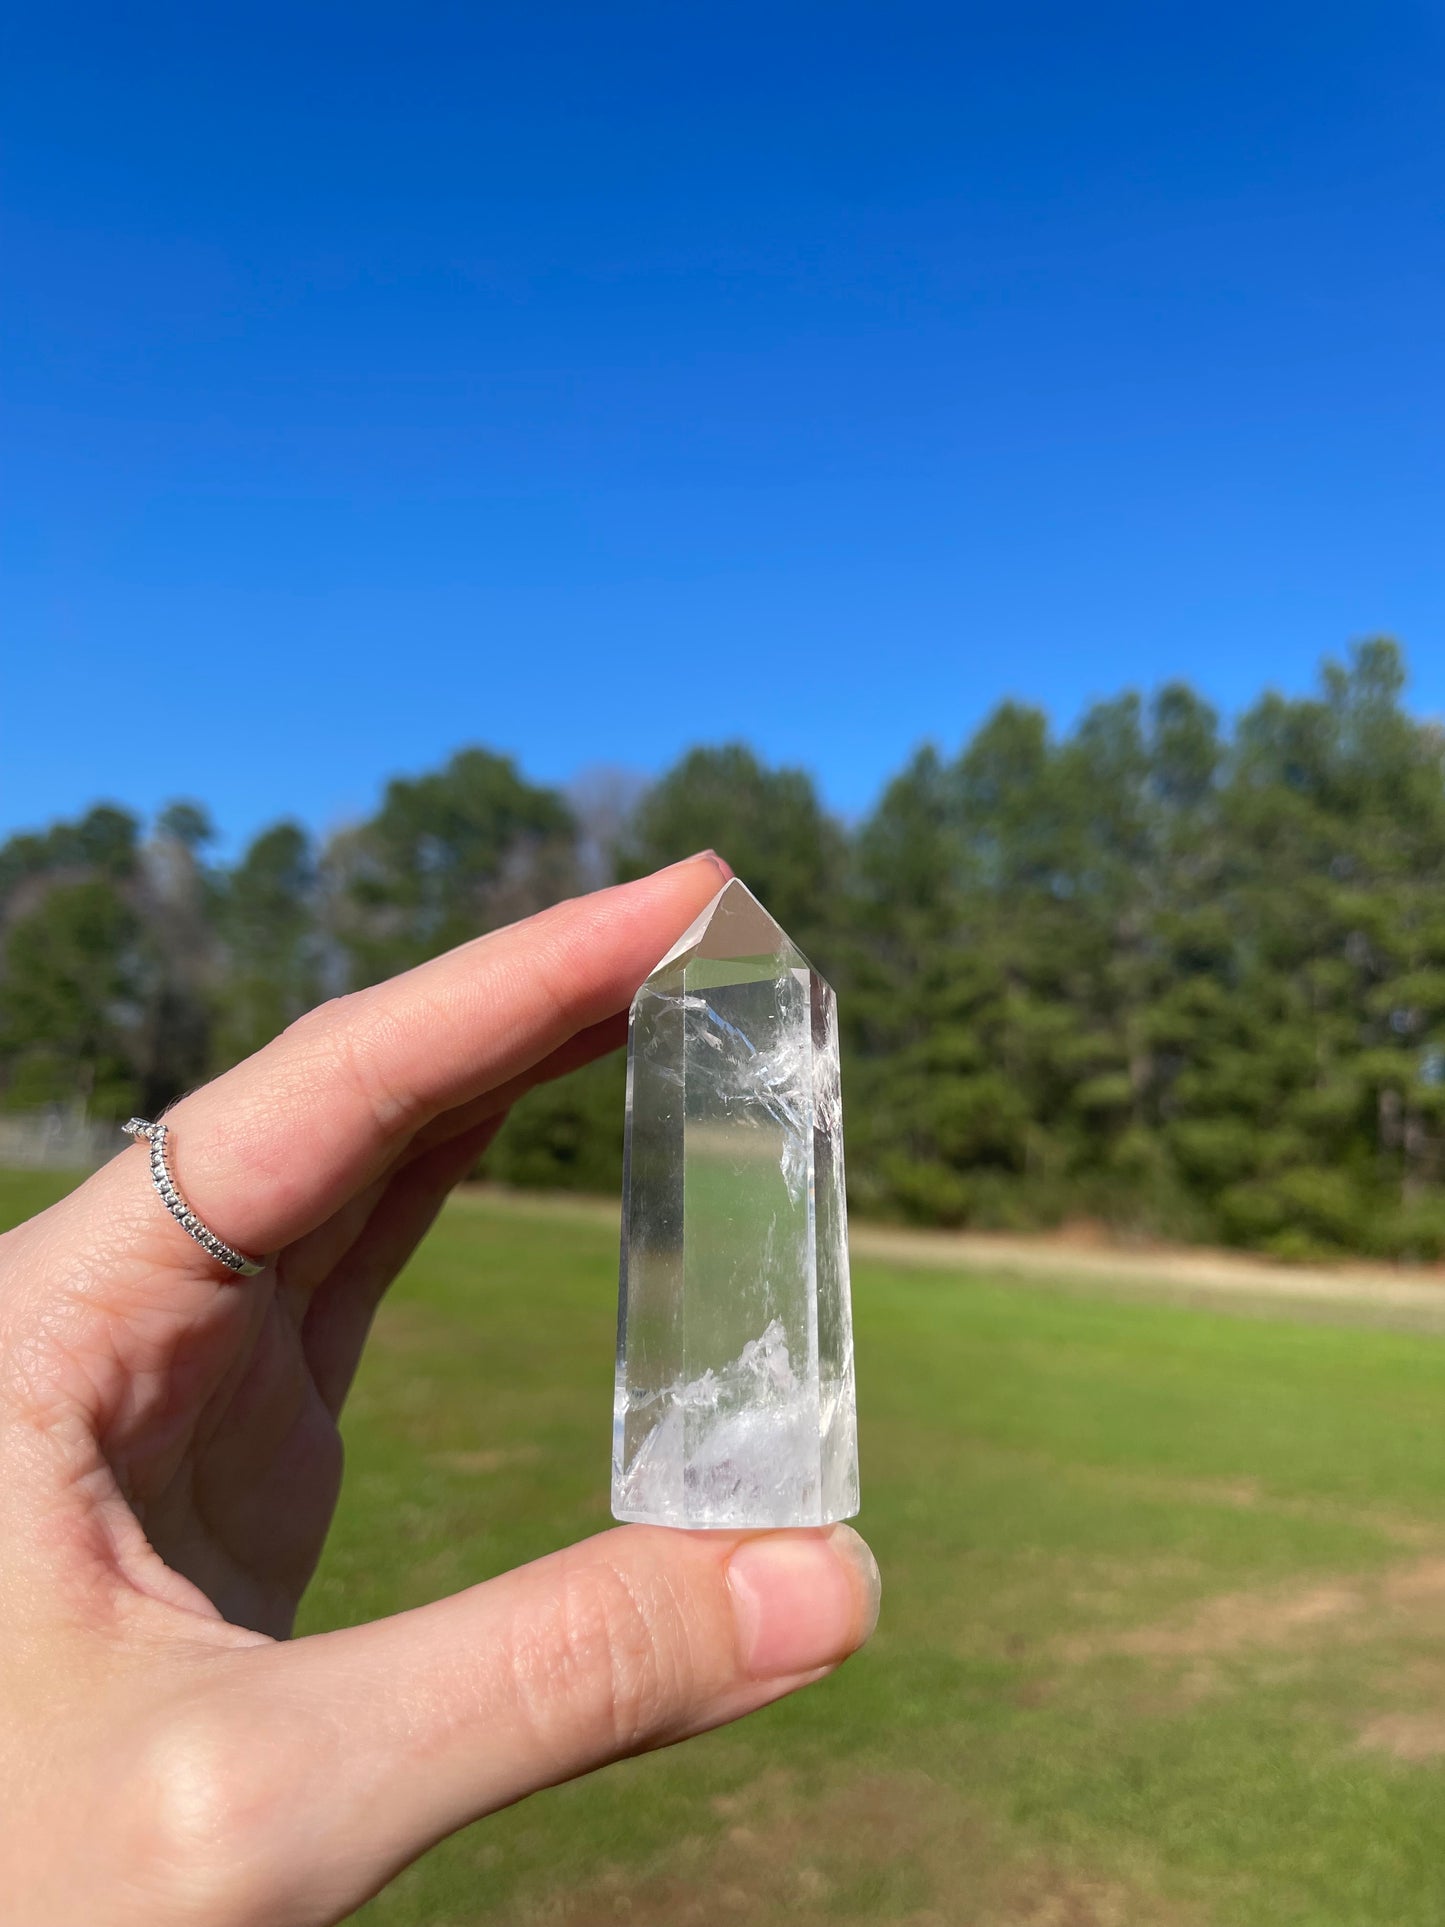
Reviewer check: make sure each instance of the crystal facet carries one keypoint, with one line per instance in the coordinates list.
(734, 1404)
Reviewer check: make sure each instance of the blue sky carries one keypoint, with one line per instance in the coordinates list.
(589, 381)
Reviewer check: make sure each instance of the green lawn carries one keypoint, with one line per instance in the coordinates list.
(1163, 1637)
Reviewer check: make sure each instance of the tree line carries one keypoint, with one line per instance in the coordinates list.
(1183, 979)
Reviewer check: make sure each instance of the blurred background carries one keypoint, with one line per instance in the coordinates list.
(980, 470)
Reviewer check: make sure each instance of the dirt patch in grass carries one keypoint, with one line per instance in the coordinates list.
(897, 1847)
(1416, 1738)
(1252, 1495)
(1412, 1732)
(501, 1459)
(1235, 1620)
(1419, 1584)
(1404, 1597)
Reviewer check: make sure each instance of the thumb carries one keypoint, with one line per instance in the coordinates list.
(384, 1738)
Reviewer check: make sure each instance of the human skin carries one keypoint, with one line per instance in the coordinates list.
(169, 1463)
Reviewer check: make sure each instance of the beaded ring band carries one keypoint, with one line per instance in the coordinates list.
(169, 1192)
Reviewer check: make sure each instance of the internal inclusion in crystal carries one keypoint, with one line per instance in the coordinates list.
(734, 1403)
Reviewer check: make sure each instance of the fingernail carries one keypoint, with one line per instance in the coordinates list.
(719, 862)
(802, 1599)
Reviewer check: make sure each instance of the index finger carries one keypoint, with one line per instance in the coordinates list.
(272, 1148)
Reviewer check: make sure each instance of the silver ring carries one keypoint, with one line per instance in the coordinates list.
(170, 1196)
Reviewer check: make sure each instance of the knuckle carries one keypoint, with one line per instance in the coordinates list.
(644, 1678)
(320, 1019)
(608, 1669)
(364, 1050)
(354, 1040)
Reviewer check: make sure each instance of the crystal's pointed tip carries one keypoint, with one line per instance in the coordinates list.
(736, 899)
(733, 924)
(731, 898)
(737, 925)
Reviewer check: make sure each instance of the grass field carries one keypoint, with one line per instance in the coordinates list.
(1163, 1636)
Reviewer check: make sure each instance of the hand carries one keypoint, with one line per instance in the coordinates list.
(169, 1461)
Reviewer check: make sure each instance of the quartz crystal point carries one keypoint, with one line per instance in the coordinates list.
(734, 1404)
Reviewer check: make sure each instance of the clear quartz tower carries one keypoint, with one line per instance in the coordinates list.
(734, 1404)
